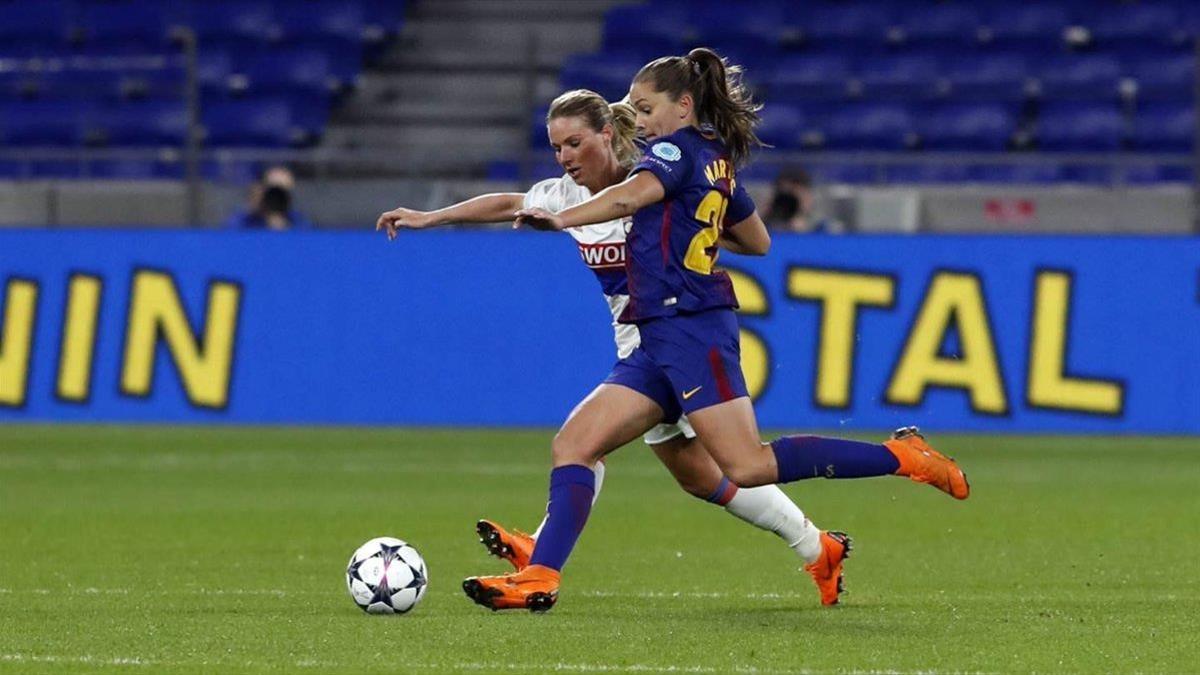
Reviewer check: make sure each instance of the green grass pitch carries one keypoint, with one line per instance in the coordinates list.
(162, 550)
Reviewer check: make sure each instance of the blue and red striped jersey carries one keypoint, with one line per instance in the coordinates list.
(671, 249)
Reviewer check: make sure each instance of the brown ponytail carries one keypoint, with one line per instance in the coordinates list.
(597, 112)
(722, 100)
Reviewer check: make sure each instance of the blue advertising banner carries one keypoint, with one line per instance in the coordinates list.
(1022, 334)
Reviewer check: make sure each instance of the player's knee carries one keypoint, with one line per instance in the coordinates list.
(745, 475)
(568, 449)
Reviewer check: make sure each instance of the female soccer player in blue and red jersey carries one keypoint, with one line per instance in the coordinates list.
(685, 200)
(595, 142)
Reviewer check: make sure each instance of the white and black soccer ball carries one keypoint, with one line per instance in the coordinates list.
(386, 576)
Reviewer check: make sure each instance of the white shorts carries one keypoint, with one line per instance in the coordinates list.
(665, 432)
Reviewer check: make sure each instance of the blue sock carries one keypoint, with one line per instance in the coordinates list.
(571, 491)
(801, 457)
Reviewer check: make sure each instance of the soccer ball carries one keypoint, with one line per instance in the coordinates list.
(386, 576)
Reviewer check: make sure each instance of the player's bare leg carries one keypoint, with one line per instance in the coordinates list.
(729, 431)
(611, 416)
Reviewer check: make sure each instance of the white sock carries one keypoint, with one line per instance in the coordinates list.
(768, 508)
(599, 471)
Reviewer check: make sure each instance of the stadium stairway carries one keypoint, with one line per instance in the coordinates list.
(455, 90)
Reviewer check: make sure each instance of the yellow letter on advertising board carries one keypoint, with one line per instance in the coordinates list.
(840, 293)
(1049, 386)
(756, 362)
(952, 298)
(79, 338)
(204, 366)
(16, 340)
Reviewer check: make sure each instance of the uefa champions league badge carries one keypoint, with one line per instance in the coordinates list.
(667, 151)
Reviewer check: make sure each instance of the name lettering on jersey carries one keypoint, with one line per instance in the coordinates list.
(720, 169)
(609, 255)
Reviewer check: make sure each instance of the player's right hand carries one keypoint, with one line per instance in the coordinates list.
(401, 218)
(538, 219)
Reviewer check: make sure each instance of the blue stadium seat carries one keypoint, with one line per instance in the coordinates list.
(1164, 127)
(150, 123)
(903, 76)
(17, 85)
(326, 20)
(219, 22)
(784, 126)
(228, 170)
(1088, 174)
(34, 123)
(864, 126)
(919, 172)
(1163, 76)
(1188, 29)
(135, 169)
(807, 76)
(81, 84)
(543, 167)
(661, 28)
(1080, 76)
(1033, 25)
(289, 70)
(1141, 174)
(845, 172)
(213, 70)
(33, 28)
(388, 15)
(310, 113)
(607, 74)
(1142, 23)
(252, 122)
(56, 169)
(123, 26)
(940, 22)
(169, 83)
(337, 28)
(723, 24)
(537, 127)
(988, 76)
(1080, 127)
(1033, 173)
(839, 25)
(958, 126)
(756, 61)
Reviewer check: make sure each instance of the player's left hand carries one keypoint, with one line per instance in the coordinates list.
(538, 219)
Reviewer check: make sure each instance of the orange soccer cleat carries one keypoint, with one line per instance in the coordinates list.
(827, 570)
(923, 464)
(516, 547)
(534, 588)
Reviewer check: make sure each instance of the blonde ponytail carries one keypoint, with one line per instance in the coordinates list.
(624, 141)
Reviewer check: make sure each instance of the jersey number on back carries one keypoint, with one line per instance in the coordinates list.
(702, 252)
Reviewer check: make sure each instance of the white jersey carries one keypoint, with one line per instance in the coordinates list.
(601, 246)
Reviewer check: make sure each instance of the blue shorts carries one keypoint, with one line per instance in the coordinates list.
(640, 374)
(686, 362)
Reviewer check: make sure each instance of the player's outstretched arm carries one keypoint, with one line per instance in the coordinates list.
(623, 199)
(490, 208)
(748, 237)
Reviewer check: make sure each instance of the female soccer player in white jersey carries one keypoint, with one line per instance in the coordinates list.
(685, 199)
(594, 143)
